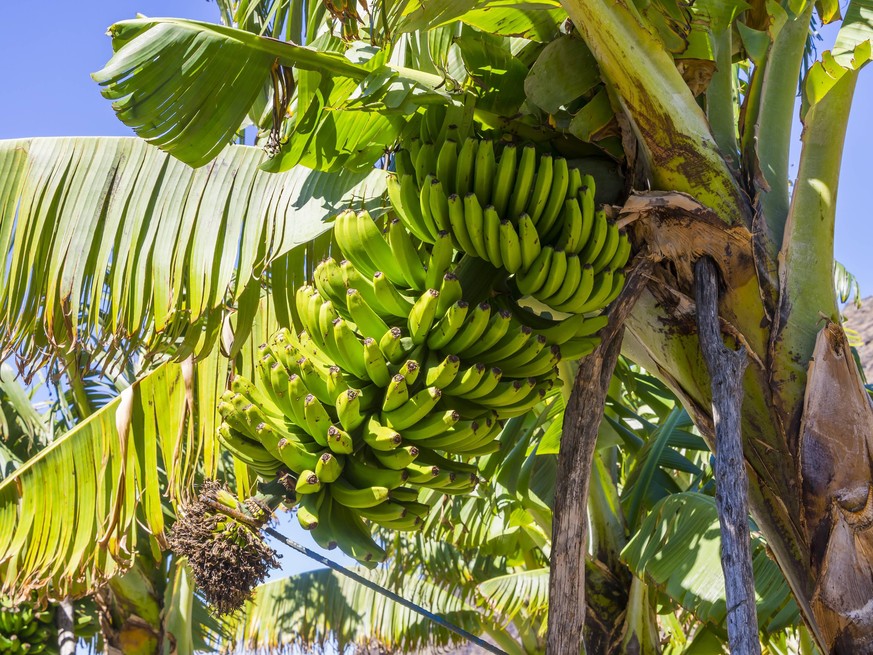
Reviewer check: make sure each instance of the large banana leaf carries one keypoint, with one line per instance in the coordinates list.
(319, 607)
(112, 226)
(68, 516)
(677, 548)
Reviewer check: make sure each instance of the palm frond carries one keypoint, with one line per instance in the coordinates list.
(677, 548)
(68, 516)
(141, 248)
(319, 609)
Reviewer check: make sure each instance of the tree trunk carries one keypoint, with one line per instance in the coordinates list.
(581, 423)
(810, 481)
(65, 621)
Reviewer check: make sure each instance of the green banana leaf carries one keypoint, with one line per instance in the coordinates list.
(521, 592)
(136, 249)
(321, 607)
(677, 549)
(68, 516)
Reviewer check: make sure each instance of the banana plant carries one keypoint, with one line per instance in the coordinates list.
(608, 89)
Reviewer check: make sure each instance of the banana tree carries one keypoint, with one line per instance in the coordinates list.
(716, 83)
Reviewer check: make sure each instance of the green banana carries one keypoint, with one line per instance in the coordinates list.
(388, 298)
(541, 188)
(595, 242)
(459, 224)
(572, 278)
(486, 385)
(529, 241)
(466, 381)
(557, 195)
(571, 234)
(374, 362)
(308, 509)
(380, 437)
(391, 345)
(498, 326)
(474, 219)
(340, 441)
(317, 420)
(348, 409)
(577, 301)
(622, 253)
(603, 288)
(473, 328)
(425, 163)
(484, 171)
(369, 323)
(443, 373)
(524, 182)
(440, 260)
(433, 424)
(413, 410)
(329, 467)
(403, 249)
(365, 472)
(532, 280)
(557, 270)
(610, 246)
(492, 236)
(350, 353)
(510, 247)
(447, 164)
(438, 201)
(465, 166)
(509, 344)
(349, 496)
(504, 179)
(307, 483)
(396, 393)
(398, 459)
(422, 316)
(450, 293)
(448, 325)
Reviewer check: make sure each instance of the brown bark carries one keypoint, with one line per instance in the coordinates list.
(581, 422)
(726, 369)
(836, 461)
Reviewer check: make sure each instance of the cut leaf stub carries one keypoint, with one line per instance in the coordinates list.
(221, 538)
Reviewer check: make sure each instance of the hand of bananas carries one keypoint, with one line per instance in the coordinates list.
(399, 375)
(24, 629)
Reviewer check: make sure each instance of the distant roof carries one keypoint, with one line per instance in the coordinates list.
(861, 322)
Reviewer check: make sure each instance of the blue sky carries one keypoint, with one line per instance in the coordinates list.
(47, 60)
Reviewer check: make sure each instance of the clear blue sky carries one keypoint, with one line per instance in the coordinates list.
(49, 49)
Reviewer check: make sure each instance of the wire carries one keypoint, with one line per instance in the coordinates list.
(469, 636)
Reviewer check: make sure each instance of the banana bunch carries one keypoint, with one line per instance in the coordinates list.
(530, 215)
(24, 629)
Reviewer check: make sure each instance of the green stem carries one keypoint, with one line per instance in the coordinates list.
(720, 100)
(806, 259)
(669, 123)
(773, 129)
(83, 405)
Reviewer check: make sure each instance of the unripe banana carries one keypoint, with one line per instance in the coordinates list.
(504, 179)
(390, 301)
(349, 411)
(349, 496)
(403, 249)
(438, 200)
(307, 483)
(307, 510)
(492, 237)
(410, 371)
(484, 171)
(340, 441)
(498, 326)
(603, 287)
(369, 323)
(557, 195)
(466, 381)
(465, 166)
(474, 219)
(459, 224)
(350, 352)
(579, 298)
(396, 394)
(610, 246)
(473, 328)
(422, 316)
(440, 260)
(374, 362)
(431, 426)
(450, 293)
(571, 234)
(622, 253)
(557, 270)
(542, 188)
(524, 182)
(391, 345)
(510, 247)
(329, 467)
(413, 410)
(381, 437)
(448, 326)
(398, 459)
(572, 278)
(425, 163)
(443, 373)
(592, 248)
(532, 280)
(363, 472)
(447, 164)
